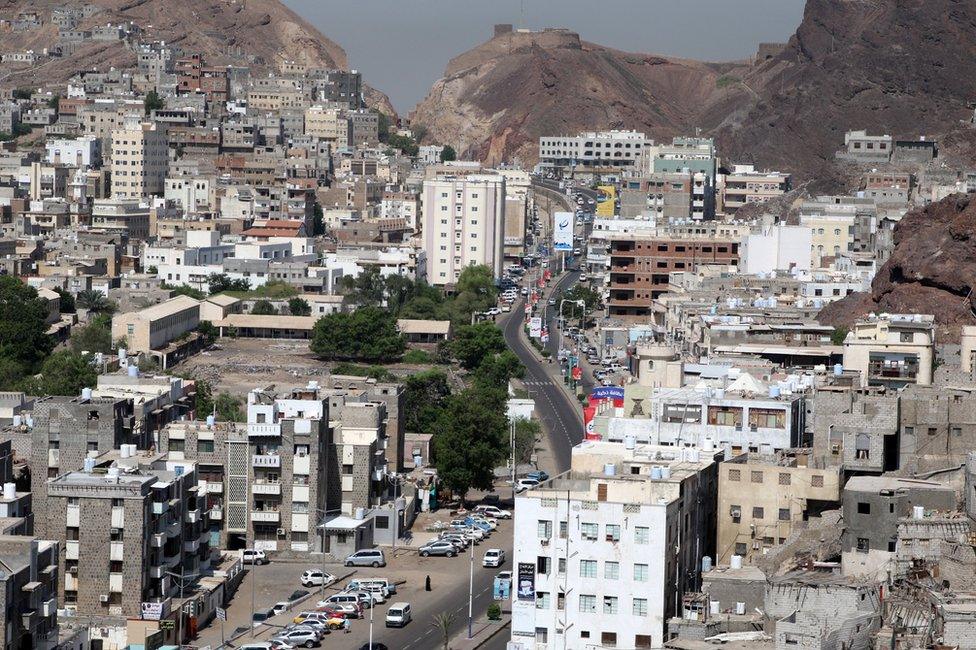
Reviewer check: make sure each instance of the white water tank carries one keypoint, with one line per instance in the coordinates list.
(918, 512)
(133, 370)
(124, 451)
(210, 421)
(609, 469)
(630, 442)
(113, 472)
(713, 607)
(706, 563)
(665, 471)
(86, 393)
(17, 420)
(9, 491)
(360, 513)
(708, 445)
(774, 392)
(838, 369)
(656, 473)
(123, 353)
(740, 608)
(736, 562)
(694, 455)
(89, 465)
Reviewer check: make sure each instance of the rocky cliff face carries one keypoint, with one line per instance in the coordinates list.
(931, 271)
(904, 67)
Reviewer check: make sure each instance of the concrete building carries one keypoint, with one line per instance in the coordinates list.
(84, 151)
(464, 224)
(156, 330)
(140, 160)
(762, 498)
(839, 224)
(29, 581)
(891, 349)
(746, 186)
(594, 149)
(603, 552)
(873, 507)
(776, 248)
(140, 517)
(861, 147)
(858, 431)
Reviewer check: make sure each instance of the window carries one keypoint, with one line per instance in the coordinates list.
(640, 573)
(544, 529)
(563, 529)
(767, 418)
(906, 337)
(726, 416)
(608, 639)
(610, 605)
(542, 600)
(589, 532)
(784, 514)
(542, 564)
(642, 535)
(740, 548)
(735, 475)
(642, 641)
(863, 508)
(640, 607)
(587, 603)
(205, 446)
(611, 570)
(587, 568)
(382, 522)
(785, 479)
(863, 545)
(816, 480)
(757, 513)
(613, 533)
(177, 444)
(756, 477)
(561, 566)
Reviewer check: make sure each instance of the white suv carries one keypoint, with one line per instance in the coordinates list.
(252, 556)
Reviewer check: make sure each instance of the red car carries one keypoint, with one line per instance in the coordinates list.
(354, 611)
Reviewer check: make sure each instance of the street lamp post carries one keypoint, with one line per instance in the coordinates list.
(324, 513)
(471, 591)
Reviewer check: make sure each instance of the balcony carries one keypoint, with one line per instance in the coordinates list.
(157, 572)
(115, 553)
(29, 619)
(157, 540)
(193, 516)
(265, 516)
(49, 607)
(216, 514)
(173, 530)
(160, 507)
(266, 487)
(71, 550)
(255, 430)
(191, 545)
(115, 582)
(266, 460)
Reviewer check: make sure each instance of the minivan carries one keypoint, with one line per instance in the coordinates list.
(398, 615)
(342, 599)
(367, 557)
(362, 583)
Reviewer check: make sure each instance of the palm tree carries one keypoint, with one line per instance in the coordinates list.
(93, 301)
(442, 623)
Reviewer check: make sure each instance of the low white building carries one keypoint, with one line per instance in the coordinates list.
(604, 551)
(84, 151)
(776, 248)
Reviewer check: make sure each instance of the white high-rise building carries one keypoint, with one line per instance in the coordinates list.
(604, 551)
(464, 224)
(140, 160)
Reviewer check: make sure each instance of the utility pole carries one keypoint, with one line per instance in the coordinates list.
(470, 591)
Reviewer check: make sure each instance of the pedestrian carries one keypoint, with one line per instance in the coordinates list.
(346, 626)
(427, 584)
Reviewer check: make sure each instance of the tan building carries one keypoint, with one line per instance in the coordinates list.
(153, 329)
(762, 498)
(892, 349)
(745, 186)
(140, 160)
(327, 122)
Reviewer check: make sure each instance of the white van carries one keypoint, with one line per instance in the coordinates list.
(398, 615)
(341, 599)
(363, 583)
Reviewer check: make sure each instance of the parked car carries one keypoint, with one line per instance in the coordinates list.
(524, 484)
(252, 556)
(299, 636)
(373, 646)
(439, 547)
(317, 578)
(506, 308)
(367, 557)
(494, 557)
(321, 628)
(341, 599)
(538, 475)
(279, 608)
(389, 587)
(493, 511)
(459, 541)
(398, 615)
(346, 609)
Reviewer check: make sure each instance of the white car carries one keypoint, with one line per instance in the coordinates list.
(494, 557)
(317, 578)
(493, 511)
(524, 484)
(494, 311)
(251, 556)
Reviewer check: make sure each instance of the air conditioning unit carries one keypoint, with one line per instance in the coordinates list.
(756, 545)
(835, 449)
(116, 531)
(281, 532)
(73, 570)
(544, 542)
(735, 513)
(103, 598)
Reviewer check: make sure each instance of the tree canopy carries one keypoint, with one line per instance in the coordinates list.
(448, 154)
(263, 308)
(94, 337)
(425, 397)
(24, 343)
(299, 307)
(473, 343)
(367, 334)
(220, 282)
(65, 372)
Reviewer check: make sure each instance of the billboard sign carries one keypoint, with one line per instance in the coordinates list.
(562, 231)
(606, 200)
(613, 393)
(589, 431)
(535, 327)
(526, 581)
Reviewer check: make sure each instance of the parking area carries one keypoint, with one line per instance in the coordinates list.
(449, 577)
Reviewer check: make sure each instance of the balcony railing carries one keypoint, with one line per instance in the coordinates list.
(266, 516)
(266, 460)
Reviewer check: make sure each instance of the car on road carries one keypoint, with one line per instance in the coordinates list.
(524, 291)
(493, 511)
(440, 547)
(494, 311)
(552, 302)
(538, 475)
(280, 607)
(398, 615)
(616, 367)
(506, 307)
(494, 557)
(252, 556)
(316, 578)
(367, 557)
(367, 599)
(524, 484)
(363, 583)
(491, 522)
(504, 575)
(320, 627)
(299, 637)
(260, 617)
(341, 599)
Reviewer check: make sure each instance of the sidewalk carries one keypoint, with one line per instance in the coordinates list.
(483, 631)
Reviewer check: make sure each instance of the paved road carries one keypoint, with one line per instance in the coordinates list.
(561, 417)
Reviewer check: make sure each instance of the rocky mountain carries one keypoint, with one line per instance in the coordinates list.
(259, 33)
(931, 271)
(903, 67)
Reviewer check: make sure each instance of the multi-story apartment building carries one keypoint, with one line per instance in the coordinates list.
(668, 196)
(464, 224)
(595, 149)
(393, 397)
(746, 186)
(66, 431)
(603, 552)
(640, 267)
(892, 349)
(839, 224)
(761, 498)
(29, 582)
(861, 147)
(140, 160)
(685, 155)
(328, 122)
(401, 205)
(132, 525)
(359, 441)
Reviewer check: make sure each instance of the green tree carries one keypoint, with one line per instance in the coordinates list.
(448, 154)
(203, 399)
(590, 297)
(495, 370)
(153, 102)
(442, 623)
(184, 290)
(299, 307)
(404, 143)
(425, 396)
(208, 331)
(475, 292)
(67, 302)
(368, 289)
(318, 220)
(527, 435)
(383, 121)
(838, 335)
(263, 308)
(94, 337)
(22, 93)
(367, 334)
(220, 282)
(471, 440)
(473, 343)
(229, 408)
(24, 342)
(63, 373)
(54, 102)
(94, 301)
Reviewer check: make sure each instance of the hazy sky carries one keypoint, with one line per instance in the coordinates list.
(402, 46)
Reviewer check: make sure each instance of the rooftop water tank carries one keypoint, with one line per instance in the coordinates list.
(706, 563)
(133, 370)
(89, 465)
(210, 421)
(656, 472)
(736, 562)
(630, 442)
(774, 391)
(9, 491)
(609, 469)
(838, 369)
(86, 393)
(665, 471)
